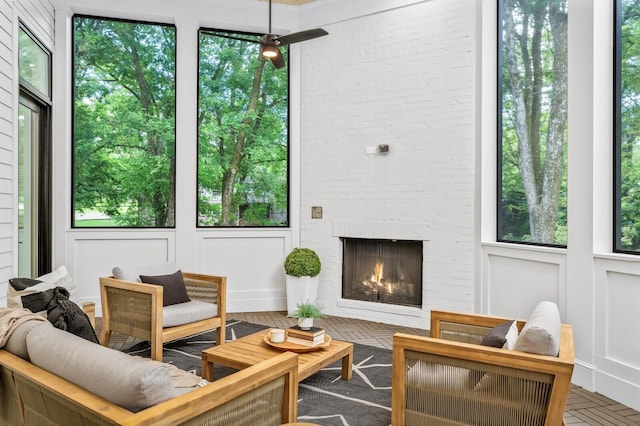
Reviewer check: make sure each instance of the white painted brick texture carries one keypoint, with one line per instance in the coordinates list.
(405, 78)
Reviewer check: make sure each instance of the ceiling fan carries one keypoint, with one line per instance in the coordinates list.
(270, 43)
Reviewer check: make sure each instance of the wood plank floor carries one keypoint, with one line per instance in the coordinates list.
(583, 407)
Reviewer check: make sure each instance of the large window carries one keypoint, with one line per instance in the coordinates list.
(123, 123)
(243, 115)
(532, 123)
(627, 128)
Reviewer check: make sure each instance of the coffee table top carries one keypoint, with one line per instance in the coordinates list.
(252, 349)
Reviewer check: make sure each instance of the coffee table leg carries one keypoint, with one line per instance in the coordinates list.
(347, 363)
(206, 369)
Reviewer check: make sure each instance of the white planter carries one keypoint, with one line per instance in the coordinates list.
(300, 290)
(305, 323)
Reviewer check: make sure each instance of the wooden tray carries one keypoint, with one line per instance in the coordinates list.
(294, 347)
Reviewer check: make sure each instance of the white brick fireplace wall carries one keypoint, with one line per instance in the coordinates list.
(408, 78)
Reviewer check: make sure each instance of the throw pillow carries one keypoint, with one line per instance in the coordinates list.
(35, 294)
(66, 315)
(511, 337)
(541, 334)
(174, 290)
(497, 336)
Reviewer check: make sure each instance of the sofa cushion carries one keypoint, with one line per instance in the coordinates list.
(17, 342)
(185, 313)
(132, 273)
(541, 334)
(129, 382)
(173, 285)
(26, 292)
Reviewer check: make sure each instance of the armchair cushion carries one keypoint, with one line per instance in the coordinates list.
(541, 333)
(132, 273)
(132, 383)
(173, 284)
(188, 312)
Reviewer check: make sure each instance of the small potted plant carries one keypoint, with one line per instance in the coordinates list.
(302, 266)
(306, 313)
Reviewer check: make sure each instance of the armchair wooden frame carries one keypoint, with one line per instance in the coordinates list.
(454, 342)
(135, 309)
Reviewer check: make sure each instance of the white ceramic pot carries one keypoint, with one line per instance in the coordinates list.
(305, 323)
(300, 290)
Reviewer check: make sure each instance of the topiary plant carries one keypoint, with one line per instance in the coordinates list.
(302, 262)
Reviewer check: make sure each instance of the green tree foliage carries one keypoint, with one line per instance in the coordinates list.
(534, 121)
(629, 150)
(242, 135)
(124, 121)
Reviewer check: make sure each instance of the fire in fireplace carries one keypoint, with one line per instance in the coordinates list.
(384, 271)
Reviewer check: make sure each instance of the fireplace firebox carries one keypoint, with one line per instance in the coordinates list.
(383, 271)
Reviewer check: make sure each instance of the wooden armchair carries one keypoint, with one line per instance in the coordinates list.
(135, 309)
(449, 378)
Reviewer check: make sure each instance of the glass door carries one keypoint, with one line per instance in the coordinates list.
(34, 157)
(27, 134)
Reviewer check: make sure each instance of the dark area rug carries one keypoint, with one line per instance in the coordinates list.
(323, 398)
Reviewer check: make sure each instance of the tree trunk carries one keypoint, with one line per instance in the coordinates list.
(541, 173)
(231, 172)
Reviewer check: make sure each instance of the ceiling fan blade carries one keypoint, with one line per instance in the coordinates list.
(225, 35)
(300, 36)
(278, 60)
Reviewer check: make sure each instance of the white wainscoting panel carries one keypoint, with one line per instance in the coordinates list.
(516, 280)
(254, 269)
(622, 318)
(96, 254)
(617, 325)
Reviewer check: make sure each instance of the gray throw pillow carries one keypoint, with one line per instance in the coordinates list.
(174, 290)
(497, 337)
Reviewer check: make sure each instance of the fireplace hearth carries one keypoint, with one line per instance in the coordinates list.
(382, 271)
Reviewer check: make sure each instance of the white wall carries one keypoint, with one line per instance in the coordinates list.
(406, 78)
(38, 17)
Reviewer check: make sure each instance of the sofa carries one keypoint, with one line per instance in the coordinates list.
(51, 377)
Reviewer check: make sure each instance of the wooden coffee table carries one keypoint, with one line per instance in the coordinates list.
(252, 349)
